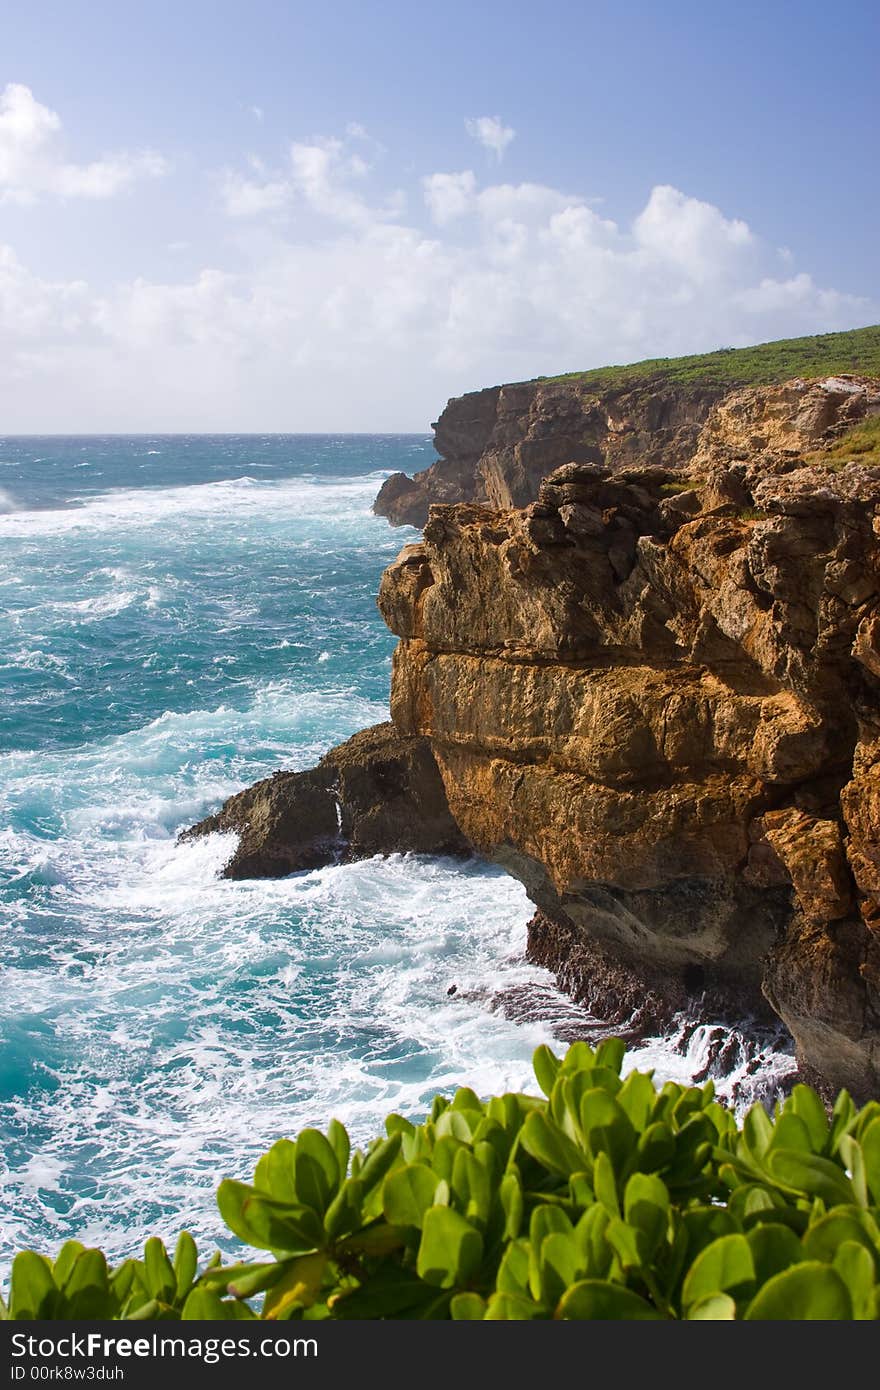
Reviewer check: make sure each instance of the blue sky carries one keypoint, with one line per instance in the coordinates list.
(291, 217)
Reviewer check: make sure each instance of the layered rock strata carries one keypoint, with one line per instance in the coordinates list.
(378, 793)
(497, 445)
(656, 703)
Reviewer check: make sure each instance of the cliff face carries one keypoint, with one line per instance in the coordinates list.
(497, 445)
(639, 667)
(656, 700)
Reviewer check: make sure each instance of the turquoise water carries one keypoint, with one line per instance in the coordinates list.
(180, 616)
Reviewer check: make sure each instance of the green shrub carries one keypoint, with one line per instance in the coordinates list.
(824, 354)
(859, 445)
(605, 1198)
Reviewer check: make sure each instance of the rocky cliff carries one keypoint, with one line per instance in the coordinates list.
(640, 668)
(655, 701)
(496, 446)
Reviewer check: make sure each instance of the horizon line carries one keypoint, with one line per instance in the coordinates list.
(214, 434)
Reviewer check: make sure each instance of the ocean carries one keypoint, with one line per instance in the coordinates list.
(180, 616)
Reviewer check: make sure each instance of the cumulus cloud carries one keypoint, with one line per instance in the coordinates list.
(491, 133)
(320, 176)
(33, 163)
(449, 196)
(359, 314)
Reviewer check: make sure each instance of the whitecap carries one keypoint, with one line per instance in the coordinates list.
(229, 501)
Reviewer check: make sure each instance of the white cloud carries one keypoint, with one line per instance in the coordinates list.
(491, 133)
(321, 176)
(449, 196)
(691, 235)
(249, 197)
(32, 161)
(357, 317)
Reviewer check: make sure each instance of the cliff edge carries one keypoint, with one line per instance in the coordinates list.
(496, 446)
(641, 671)
(656, 701)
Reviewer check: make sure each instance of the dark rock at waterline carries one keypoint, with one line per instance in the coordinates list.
(378, 793)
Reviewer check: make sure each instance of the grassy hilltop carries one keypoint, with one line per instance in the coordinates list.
(823, 355)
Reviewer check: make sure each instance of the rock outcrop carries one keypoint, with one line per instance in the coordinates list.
(497, 445)
(378, 793)
(656, 701)
(639, 667)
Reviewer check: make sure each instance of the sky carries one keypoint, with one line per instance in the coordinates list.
(290, 217)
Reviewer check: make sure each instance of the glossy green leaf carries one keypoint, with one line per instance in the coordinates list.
(345, 1213)
(337, 1135)
(610, 1053)
(511, 1195)
(546, 1067)
(316, 1171)
(509, 1307)
(757, 1131)
(807, 1105)
(774, 1248)
(67, 1257)
(636, 1098)
(203, 1305)
(606, 1127)
(379, 1161)
(297, 1288)
(825, 1236)
(870, 1143)
(545, 1142)
(275, 1172)
(807, 1173)
(855, 1266)
(450, 1250)
(32, 1289)
(725, 1266)
(86, 1290)
(646, 1207)
(407, 1193)
(605, 1184)
(467, 1307)
(513, 1270)
(656, 1148)
(596, 1300)
(161, 1279)
(186, 1259)
(791, 1132)
(560, 1264)
(715, 1307)
(808, 1291)
(267, 1224)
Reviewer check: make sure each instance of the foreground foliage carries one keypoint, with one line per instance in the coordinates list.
(607, 1199)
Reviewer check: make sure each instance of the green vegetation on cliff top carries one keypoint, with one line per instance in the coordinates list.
(823, 355)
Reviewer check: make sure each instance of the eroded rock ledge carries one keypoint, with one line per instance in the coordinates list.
(377, 793)
(655, 701)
